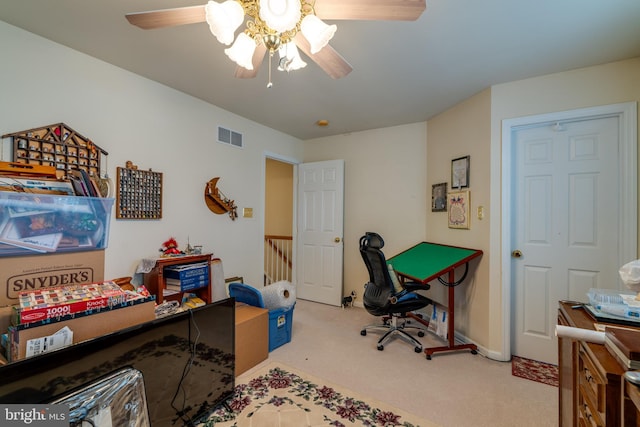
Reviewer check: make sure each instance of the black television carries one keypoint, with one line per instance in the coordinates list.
(186, 361)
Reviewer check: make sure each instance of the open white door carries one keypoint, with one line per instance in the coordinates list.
(320, 230)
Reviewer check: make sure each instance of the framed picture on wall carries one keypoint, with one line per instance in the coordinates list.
(459, 202)
(460, 172)
(439, 197)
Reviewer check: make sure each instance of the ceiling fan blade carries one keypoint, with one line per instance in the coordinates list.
(328, 59)
(379, 10)
(167, 17)
(257, 59)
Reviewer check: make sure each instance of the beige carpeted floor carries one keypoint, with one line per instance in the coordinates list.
(453, 389)
(278, 395)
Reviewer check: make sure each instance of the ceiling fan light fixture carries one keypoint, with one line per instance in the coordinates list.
(290, 59)
(280, 15)
(316, 32)
(241, 52)
(224, 19)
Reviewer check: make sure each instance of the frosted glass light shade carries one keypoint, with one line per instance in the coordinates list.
(280, 15)
(224, 19)
(242, 51)
(290, 59)
(316, 32)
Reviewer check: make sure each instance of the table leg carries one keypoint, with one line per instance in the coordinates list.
(450, 326)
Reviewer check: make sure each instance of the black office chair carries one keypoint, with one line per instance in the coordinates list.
(382, 298)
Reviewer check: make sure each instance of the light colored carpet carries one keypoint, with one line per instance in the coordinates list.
(277, 395)
(453, 389)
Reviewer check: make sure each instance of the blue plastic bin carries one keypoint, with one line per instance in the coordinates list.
(280, 326)
(246, 294)
(280, 319)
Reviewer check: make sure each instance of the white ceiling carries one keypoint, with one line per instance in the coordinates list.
(404, 72)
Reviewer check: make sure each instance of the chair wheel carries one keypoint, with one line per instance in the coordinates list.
(363, 333)
(417, 349)
(428, 357)
(380, 347)
(420, 334)
(474, 352)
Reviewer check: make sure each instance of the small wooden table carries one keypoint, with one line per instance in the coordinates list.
(426, 262)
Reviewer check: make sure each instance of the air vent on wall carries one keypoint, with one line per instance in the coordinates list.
(227, 136)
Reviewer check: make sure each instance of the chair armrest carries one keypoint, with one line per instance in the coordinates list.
(416, 286)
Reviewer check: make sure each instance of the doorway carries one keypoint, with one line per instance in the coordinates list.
(308, 196)
(569, 216)
(278, 221)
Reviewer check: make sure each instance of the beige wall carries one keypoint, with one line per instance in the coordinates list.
(473, 128)
(447, 139)
(156, 127)
(278, 198)
(385, 175)
(611, 83)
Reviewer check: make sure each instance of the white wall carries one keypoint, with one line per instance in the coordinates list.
(385, 178)
(155, 127)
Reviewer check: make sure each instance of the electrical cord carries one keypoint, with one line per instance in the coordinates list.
(186, 369)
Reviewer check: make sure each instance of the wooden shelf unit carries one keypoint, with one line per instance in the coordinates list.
(155, 281)
(59, 146)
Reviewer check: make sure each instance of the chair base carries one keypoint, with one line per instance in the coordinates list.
(391, 328)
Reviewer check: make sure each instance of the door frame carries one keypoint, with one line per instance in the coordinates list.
(627, 175)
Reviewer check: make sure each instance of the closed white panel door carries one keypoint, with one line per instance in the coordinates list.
(320, 231)
(565, 215)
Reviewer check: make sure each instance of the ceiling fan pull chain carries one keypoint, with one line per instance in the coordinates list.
(270, 84)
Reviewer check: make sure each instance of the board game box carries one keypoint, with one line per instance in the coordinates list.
(60, 301)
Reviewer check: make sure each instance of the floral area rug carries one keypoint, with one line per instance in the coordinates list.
(535, 371)
(279, 396)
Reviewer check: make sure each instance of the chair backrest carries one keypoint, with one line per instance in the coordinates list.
(380, 287)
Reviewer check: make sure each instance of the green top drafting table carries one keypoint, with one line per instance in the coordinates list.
(426, 262)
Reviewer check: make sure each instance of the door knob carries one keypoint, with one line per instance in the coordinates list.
(337, 240)
(516, 254)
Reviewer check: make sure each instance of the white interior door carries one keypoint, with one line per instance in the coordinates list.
(565, 207)
(320, 231)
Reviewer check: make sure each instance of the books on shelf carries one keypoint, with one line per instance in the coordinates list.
(624, 345)
(193, 302)
(187, 277)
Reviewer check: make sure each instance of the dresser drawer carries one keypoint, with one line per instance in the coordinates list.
(588, 414)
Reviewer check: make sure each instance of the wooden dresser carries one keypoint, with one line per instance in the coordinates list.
(591, 381)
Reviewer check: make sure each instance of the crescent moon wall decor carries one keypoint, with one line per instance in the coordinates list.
(217, 202)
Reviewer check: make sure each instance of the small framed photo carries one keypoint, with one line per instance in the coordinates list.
(439, 197)
(460, 172)
(459, 202)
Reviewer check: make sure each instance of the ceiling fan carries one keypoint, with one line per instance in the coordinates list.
(280, 25)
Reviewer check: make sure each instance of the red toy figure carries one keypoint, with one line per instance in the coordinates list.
(170, 247)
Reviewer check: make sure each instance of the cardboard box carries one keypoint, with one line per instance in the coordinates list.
(34, 272)
(252, 336)
(83, 328)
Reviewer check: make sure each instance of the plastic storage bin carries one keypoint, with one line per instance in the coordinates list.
(280, 319)
(45, 223)
(246, 294)
(280, 326)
